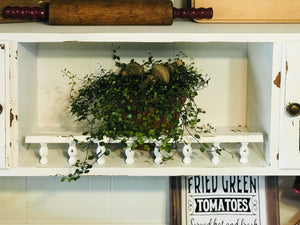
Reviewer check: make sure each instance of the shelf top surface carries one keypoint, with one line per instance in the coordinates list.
(179, 31)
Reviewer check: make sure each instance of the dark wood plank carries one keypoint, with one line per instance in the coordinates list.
(272, 200)
(175, 201)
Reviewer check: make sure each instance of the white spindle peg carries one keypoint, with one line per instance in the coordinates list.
(214, 155)
(100, 153)
(158, 156)
(72, 152)
(129, 153)
(187, 152)
(244, 152)
(43, 153)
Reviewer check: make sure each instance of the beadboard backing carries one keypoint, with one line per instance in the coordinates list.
(93, 200)
(136, 200)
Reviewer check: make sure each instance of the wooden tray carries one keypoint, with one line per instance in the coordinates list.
(251, 11)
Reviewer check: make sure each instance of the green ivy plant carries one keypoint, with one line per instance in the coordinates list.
(152, 100)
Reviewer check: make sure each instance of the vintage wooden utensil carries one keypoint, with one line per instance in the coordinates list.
(107, 12)
(249, 11)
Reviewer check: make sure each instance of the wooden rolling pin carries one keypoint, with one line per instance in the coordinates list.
(107, 12)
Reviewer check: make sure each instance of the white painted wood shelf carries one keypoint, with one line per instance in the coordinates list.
(186, 31)
(243, 61)
(239, 138)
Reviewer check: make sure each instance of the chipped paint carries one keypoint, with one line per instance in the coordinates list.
(2, 47)
(11, 117)
(277, 80)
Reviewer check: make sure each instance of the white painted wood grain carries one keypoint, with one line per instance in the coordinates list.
(14, 201)
(3, 103)
(93, 200)
(290, 126)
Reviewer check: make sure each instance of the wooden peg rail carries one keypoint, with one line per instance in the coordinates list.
(216, 139)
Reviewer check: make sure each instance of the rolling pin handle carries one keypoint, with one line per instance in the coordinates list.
(193, 13)
(17, 12)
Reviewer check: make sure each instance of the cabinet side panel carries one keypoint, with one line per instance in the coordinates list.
(5, 156)
(260, 60)
(290, 123)
(2, 106)
(27, 95)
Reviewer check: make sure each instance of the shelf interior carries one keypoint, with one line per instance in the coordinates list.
(228, 100)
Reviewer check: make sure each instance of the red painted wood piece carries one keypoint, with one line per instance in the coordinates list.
(296, 185)
(16, 12)
(193, 13)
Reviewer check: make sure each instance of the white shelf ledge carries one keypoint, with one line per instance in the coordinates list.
(52, 154)
(223, 135)
(180, 31)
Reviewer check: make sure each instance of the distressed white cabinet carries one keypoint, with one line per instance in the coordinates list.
(4, 131)
(243, 62)
(290, 107)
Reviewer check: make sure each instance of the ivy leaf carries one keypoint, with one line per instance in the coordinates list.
(91, 157)
(164, 144)
(202, 149)
(205, 145)
(197, 136)
(180, 131)
(146, 147)
(169, 117)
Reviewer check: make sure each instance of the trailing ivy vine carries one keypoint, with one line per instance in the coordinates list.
(152, 100)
